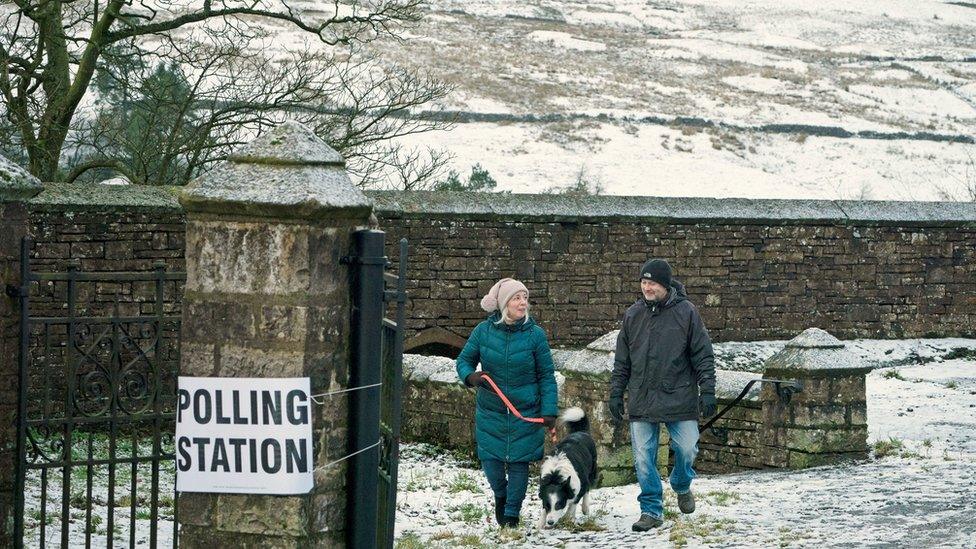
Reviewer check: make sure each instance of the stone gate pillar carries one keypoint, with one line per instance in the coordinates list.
(826, 422)
(16, 188)
(266, 296)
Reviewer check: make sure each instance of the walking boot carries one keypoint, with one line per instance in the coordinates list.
(646, 522)
(500, 511)
(686, 502)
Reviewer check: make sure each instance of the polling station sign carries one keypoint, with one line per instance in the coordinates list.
(244, 435)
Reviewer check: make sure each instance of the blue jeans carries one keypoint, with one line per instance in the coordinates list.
(513, 488)
(644, 438)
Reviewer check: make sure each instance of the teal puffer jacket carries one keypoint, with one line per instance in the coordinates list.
(518, 359)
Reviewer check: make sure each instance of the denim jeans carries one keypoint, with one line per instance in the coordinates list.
(644, 438)
(513, 488)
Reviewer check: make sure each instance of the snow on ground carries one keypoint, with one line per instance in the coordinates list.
(901, 66)
(652, 160)
(79, 504)
(918, 490)
(921, 411)
(564, 40)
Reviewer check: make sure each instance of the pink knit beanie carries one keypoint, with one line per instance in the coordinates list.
(500, 293)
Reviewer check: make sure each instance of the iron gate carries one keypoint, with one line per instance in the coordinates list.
(391, 399)
(375, 382)
(98, 369)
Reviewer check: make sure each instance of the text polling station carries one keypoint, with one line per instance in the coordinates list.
(244, 435)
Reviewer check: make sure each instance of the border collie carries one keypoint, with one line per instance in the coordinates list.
(569, 473)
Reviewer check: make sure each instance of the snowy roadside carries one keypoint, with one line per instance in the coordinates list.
(918, 490)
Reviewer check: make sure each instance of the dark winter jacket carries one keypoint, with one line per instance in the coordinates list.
(518, 359)
(663, 358)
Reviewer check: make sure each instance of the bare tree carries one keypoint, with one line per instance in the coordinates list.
(584, 184)
(178, 85)
(965, 182)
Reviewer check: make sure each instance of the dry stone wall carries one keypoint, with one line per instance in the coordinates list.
(756, 269)
(106, 228)
(439, 410)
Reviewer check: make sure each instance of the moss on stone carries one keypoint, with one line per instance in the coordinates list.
(58, 196)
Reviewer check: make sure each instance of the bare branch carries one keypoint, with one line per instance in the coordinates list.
(116, 165)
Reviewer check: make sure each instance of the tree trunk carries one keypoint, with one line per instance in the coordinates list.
(45, 155)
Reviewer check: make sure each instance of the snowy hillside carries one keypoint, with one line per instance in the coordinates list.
(721, 98)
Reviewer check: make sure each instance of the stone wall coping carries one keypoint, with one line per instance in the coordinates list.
(816, 351)
(437, 369)
(729, 383)
(561, 208)
(95, 197)
(16, 183)
(587, 362)
(429, 368)
(286, 173)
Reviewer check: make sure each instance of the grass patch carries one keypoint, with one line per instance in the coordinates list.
(79, 500)
(885, 448)
(702, 527)
(893, 374)
(410, 540)
(469, 540)
(463, 482)
(506, 535)
(469, 513)
(960, 352)
(952, 385)
(96, 521)
(721, 497)
(788, 537)
(587, 524)
(35, 514)
(441, 536)
(417, 482)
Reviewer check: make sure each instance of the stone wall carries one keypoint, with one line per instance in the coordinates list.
(437, 409)
(16, 186)
(757, 269)
(826, 422)
(734, 442)
(882, 269)
(106, 228)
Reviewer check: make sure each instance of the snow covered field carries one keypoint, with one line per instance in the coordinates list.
(918, 490)
(768, 87)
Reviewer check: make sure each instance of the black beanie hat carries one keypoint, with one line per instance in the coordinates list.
(657, 270)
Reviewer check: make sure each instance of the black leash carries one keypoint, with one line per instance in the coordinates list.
(785, 390)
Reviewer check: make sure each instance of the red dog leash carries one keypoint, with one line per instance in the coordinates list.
(511, 407)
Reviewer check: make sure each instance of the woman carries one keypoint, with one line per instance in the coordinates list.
(513, 350)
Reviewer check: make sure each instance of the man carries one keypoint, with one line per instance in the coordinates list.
(663, 361)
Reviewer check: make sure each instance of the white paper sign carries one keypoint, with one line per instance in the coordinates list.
(244, 435)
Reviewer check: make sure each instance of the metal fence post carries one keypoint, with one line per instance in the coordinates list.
(364, 406)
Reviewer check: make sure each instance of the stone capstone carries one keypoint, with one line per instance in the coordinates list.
(815, 353)
(286, 173)
(16, 183)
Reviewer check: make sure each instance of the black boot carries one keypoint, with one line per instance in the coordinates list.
(500, 511)
(510, 522)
